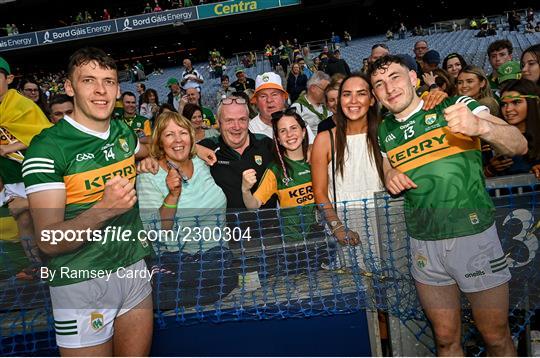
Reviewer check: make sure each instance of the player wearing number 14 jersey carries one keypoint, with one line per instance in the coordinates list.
(80, 161)
(79, 177)
(434, 157)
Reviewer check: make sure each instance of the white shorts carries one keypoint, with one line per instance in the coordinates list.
(14, 190)
(84, 312)
(475, 262)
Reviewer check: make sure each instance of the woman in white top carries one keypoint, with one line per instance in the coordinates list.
(150, 105)
(354, 168)
(357, 164)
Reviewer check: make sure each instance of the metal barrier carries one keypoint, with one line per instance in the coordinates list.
(297, 271)
(517, 219)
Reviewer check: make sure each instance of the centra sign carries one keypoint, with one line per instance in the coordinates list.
(228, 9)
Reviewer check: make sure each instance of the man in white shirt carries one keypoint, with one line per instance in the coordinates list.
(191, 78)
(270, 97)
(311, 104)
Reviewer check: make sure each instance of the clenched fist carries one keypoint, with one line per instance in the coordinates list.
(174, 182)
(119, 196)
(249, 178)
(148, 165)
(461, 120)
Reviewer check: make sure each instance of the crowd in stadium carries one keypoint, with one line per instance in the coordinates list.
(77, 154)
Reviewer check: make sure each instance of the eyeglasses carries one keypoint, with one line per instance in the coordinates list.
(276, 116)
(30, 89)
(320, 87)
(231, 100)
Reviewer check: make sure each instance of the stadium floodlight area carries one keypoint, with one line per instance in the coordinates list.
(299, 271)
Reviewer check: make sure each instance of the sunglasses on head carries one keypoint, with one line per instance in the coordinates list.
(276, 116)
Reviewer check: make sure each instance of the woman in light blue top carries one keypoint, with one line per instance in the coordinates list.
(184, 199)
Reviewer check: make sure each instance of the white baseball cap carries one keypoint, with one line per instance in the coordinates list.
(268, 80)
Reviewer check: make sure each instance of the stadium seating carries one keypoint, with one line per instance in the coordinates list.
(464, 42)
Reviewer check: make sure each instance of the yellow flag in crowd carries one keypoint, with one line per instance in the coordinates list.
(21, 117)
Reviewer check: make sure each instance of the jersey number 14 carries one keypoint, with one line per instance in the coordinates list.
(109, 154)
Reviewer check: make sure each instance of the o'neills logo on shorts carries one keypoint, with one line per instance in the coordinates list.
(474, 274)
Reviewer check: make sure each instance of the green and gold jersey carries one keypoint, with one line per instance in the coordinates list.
(10, 166)
(140, 125)
(80, 161)
(451, 199)
(295, 195)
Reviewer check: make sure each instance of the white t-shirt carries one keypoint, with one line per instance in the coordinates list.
(190, 77)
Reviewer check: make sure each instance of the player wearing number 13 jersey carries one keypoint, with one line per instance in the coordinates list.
(434, 158)
(79, 177)
(442, 164)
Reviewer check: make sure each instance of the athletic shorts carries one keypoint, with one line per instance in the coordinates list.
(84, 312)
(475, 262)
(14, 190)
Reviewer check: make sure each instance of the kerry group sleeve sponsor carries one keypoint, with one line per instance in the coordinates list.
(17, 41)
(76, 32)
(156, 19)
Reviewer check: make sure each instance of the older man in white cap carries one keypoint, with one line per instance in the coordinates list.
(270, 97)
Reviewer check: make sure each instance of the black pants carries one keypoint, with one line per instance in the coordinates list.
(193, 279)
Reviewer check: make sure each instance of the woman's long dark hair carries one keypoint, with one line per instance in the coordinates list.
(146, 94)
(280, 151)
(532, 122)
(454, 55)
(373, 125)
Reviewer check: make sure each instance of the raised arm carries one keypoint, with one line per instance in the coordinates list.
(249, 178)
(505, 139)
